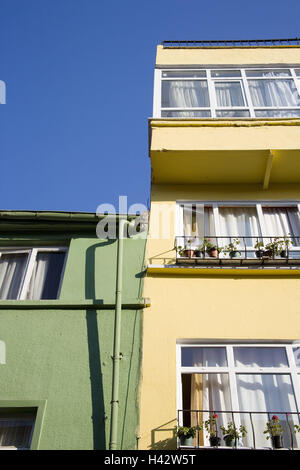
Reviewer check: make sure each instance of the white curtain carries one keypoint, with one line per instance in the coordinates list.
(229, 94)
(185, 94)
(239, 222)
(45, 278)
(198, 222)
(281, 221)
(12, 268)
(273, 93)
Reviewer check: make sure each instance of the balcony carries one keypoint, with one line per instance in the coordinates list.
(249, 426)
(238, 251)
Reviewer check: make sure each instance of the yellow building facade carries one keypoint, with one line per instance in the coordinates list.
(222, 335)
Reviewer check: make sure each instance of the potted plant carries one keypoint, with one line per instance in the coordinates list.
(212, 430)
(188, 251)
(273, 248)
(210, 248)
(274, 431)
(186, 434)
(286, 242)
(232, 248)
(259, 247)
(232, 434)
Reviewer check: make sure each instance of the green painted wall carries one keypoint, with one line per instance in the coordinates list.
(62, 354)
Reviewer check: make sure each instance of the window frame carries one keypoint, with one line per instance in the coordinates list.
(291, 369)
(32, 253)
(243, 79)
(179, 228)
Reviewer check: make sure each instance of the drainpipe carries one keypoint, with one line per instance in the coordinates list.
(117, 338)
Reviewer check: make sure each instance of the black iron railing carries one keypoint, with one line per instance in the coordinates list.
(251, 427)
(226, 250)
(234, 43)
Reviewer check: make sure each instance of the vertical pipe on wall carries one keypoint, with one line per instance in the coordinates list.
(117, 338)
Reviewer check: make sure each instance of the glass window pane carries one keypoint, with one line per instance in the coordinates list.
(184, 73)
(268, 73)
(225, 73)
(274, 93)
(12, 268)
(229, 94)
(233, 113)
(186, 114)
(296, 352)
(260, 357)
(203, 357)
(46, 276)
(185, 94)
(16, 428)
(265, 392)
(297, 71)
(280, 113)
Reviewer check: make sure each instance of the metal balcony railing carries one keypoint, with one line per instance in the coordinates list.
(254, 424)
(238, 250)
(234, 43)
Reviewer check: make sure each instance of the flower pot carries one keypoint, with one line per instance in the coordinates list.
(283, 254)
(186, 440)
(213, 253)
(259, 254)
(214, 441)
(199, 254)
(269, 254)
(277, 442)
(235, 254)
(229, 441)
(189, 253)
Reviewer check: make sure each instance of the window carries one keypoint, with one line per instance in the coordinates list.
(249, 223)
(236, 380)
(31, 273)
(265, 92)
(16, 427)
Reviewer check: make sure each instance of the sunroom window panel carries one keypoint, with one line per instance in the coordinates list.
(12, 268)
(283, 221)
(278, 113)
(46, 276)
(268, 73)
(229, 94)
(186, 114)
(274, 93)
(260, 357)
(241, 223)
(184, 74)
(203, 357)
(269, 393)
(296, 352)
(185, 94)
(232, 113)
(225, 73)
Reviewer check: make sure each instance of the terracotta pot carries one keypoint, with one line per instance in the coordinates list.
(189, 253)
(213, 253)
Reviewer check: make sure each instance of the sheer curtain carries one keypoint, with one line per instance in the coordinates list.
(239, 222)
(12, 267)
(282, 221)
(185, 94)
(229, 94)
(273, 93)
(46, 275)
(198, 222)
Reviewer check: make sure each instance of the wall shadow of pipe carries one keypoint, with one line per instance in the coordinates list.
(98, 408)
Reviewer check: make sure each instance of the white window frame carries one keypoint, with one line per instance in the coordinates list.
(292, 370)
(259, 205)
(243, 79)
(32, 253)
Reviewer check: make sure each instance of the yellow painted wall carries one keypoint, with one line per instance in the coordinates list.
(213, 306)
(227, 55)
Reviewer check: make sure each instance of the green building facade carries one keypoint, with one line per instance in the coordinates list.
(56, 366)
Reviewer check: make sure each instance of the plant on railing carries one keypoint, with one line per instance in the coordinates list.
(212, 249)
(274, 431)
(276, 246)
(186, 434)
(188, 251)
(286, 243)
(232, 248)
(232, 434)
(212, 430)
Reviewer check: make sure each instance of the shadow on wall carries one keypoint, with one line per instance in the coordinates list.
(157, 436)
(98, 417)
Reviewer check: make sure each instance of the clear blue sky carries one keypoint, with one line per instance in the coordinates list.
(79, 77)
